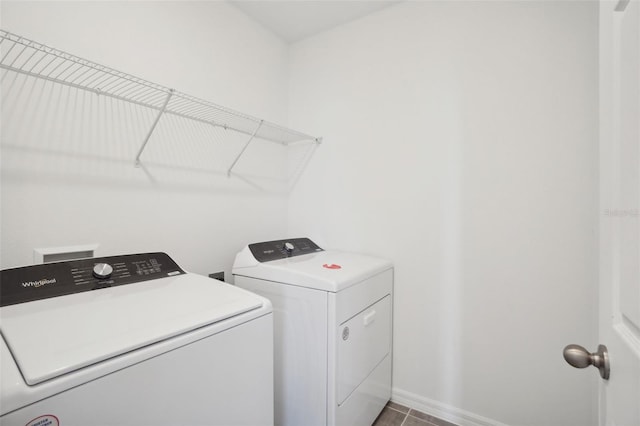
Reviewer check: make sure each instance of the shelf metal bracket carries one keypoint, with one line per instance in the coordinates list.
(253, 135)
(153, 126)
(622, 5)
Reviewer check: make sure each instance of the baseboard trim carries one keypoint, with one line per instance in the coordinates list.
(441, 410)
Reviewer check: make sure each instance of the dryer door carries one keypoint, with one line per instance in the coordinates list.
(363, 342)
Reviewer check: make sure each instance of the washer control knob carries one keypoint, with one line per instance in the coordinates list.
(288, 247)
(102, 270)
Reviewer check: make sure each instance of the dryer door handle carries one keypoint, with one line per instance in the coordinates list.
(369, 317)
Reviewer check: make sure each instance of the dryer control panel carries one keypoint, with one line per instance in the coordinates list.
(281, 249)
(29, 283)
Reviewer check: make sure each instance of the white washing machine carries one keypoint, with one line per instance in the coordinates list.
(332, 326)
(132, 340)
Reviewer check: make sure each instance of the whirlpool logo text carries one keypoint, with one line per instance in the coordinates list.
(39, 283)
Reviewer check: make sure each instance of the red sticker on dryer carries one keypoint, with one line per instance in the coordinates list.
(331, 266)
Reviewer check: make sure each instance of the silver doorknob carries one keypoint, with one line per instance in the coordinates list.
(579, 357)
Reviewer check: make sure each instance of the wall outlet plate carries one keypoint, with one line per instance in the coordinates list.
(59, 254)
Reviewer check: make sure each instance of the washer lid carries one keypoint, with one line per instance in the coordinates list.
(325, 270)
(54, 336)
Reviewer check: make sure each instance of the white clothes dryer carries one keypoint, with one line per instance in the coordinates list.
(132, 340)
(332, 327)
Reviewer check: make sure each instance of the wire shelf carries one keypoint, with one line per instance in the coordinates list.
(34, 59)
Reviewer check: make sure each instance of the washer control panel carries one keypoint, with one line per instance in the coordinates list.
(29, 283)
(281, 249)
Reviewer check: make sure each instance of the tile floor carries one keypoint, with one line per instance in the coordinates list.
(399, 415)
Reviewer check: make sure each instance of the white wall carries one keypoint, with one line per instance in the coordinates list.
(460, 141)
(67, 156)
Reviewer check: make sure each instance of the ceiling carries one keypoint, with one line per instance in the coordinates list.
(294, 20)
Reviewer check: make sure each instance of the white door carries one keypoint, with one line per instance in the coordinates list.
(619, 324)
